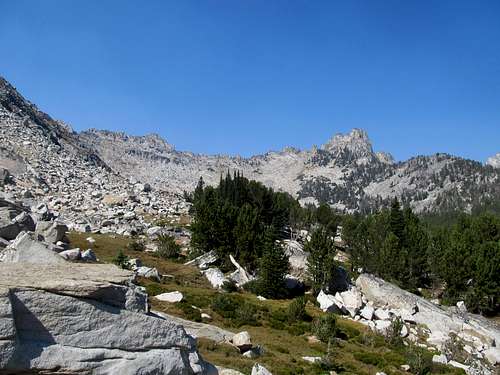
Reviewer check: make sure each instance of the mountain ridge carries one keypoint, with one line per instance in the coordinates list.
(344, 172)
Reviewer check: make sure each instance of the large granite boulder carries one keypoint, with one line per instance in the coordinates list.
(27, 249)
(51, 231)
(70, 323)
(13, 220)
(475, 329)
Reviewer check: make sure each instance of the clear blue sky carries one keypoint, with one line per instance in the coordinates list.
(245, 76)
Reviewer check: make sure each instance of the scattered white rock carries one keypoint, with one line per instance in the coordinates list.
(367, 312)
(171, 297)
(242, 341)
(215, 277)
(441, 358)
(260, 370)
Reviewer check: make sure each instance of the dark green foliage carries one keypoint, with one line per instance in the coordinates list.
(419, 360)
(136, 245)
(393, 334)
(274, 267)
(321, 263)
(190, 313)
(297, 310)
(121, 260)
(229, 286)
(467, 258)
(167, 247)
(392, 244)
(325, 327)
(236, 310)
(232, 218)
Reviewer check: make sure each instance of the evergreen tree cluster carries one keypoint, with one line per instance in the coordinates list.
(464, 257)
(240, 217)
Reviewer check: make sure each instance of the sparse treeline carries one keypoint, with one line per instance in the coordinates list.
(462, 259)
(244, 218)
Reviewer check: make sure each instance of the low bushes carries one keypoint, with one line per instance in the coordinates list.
(325, 327)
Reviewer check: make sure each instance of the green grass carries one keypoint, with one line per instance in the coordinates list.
(356, 351)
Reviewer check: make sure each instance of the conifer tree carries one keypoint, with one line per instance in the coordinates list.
(321, 263)
(274, 267)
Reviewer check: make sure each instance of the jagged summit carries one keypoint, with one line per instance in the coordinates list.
(356, 144)
(494, 161)
(345, 172)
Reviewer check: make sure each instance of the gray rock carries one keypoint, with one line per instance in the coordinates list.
(352, 300)
(367, 312)
(198, 330)
(171, 297)
(215, 277)
(415, 309)
(89, 256)
(441, 359)
(101, 282)
(260, 370)
(148, 272)
(54, 333)
(242, 341)
(51, 231)
(492, 355)
(203, 261)
(26, 248)
(71, 254)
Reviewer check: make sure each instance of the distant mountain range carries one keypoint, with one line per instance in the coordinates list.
(345, 172)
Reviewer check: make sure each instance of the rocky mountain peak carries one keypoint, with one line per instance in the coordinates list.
(354, 145)
(494, 161)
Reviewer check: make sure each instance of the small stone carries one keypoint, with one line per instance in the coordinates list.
(242, 341)
(171, 297)
(441, 359)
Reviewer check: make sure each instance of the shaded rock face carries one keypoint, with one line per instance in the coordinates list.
(52, 332)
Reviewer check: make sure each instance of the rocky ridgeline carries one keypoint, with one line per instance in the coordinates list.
(82, 174)
(345, 172)
(44, 162)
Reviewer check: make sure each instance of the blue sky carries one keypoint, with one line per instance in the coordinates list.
(246, 76)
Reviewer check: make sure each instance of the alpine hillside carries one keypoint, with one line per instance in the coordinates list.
(345, 172)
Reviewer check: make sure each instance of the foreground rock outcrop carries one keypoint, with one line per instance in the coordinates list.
(86, 319)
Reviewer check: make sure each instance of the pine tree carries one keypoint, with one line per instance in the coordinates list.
(396, 222)
(274, 267)
(321, 263)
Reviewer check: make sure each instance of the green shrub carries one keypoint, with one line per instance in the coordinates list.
(236, 310)
(167, 247)
(229, 286)
(246, 314)
(297, 310)
(121, 260)
(189, 312)
(298, 328)
(374, 359)
(393, 333)
(225, 305)
(325, 327)
(252, 287)
(136, 245)
(154, 289)
(419, 360)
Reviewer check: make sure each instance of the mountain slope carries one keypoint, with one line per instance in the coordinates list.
(345, 172)
(44, 161)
